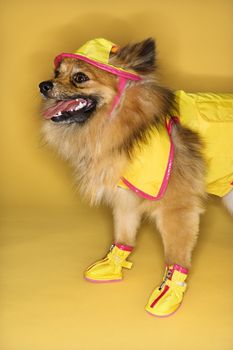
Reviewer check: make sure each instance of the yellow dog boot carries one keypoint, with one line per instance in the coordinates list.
(167, 298)
(109, 269)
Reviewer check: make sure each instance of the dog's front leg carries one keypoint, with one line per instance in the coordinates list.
(127, 218)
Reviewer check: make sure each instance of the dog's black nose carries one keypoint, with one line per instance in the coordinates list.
(45, 86)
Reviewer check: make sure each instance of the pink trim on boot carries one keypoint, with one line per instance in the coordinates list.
(176, 267)
(124, 247)
(180, 269)
(104, 281)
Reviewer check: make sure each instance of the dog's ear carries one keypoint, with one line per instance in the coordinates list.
(139, 57)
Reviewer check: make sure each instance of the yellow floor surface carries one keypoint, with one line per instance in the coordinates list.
(47, 305)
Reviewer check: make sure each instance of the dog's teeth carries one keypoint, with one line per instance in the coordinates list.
(59, 113)
(80, 105)
(71, 110)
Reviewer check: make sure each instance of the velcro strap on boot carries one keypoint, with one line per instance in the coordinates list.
(176, 285)
(127, 264)
(124, 263)
(117, 260)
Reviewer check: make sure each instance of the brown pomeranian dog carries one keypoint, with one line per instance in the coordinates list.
(106, 113)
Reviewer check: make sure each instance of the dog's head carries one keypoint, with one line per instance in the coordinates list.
(79, 89)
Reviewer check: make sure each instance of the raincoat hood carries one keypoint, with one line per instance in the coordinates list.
(97, 53)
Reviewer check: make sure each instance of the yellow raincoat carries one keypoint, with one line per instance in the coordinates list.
(209, 114)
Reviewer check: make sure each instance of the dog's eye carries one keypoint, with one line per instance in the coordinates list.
(80, 77)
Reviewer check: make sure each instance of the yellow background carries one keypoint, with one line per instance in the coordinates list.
(49, 236)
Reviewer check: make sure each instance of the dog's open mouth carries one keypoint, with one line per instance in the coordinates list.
(75, 110)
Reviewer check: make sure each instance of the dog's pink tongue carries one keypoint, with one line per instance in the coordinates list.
(61, 106)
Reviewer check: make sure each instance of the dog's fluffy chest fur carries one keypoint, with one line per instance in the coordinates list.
(97, 171)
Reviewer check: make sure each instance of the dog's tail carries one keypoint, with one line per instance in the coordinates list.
(228, 201)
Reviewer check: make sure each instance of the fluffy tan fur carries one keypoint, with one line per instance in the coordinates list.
(100, 150)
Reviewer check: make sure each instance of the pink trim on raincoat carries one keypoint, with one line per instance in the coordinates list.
(167, 172)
